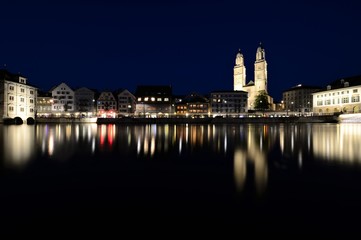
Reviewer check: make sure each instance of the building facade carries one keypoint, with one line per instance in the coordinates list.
(17, 98)
(63, 100)
(260, 82)
(342, 95)
(298, 99)
(126, 103)
(106, 105)
(154, 101)
(229, 103)
(44, 104)
(193, 105)
(85, 104)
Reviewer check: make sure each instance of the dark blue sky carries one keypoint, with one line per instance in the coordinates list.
(190, 45)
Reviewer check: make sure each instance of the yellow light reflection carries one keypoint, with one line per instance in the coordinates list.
(239, 169)
(51, 143)
(339, 143)
(19, 145)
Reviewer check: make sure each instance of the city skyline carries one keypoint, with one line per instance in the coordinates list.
(189, 45)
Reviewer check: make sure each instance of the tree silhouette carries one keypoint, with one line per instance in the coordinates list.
(261, 101)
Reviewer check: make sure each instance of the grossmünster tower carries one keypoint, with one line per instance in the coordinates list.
(260, 76)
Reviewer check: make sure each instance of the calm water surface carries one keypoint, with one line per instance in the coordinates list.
(257, 178)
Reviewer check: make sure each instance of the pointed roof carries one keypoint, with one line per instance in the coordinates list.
(260, 47)
(250, 83)
(239, 53)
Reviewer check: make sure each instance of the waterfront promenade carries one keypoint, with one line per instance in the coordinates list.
(293, 119)
(205, 120)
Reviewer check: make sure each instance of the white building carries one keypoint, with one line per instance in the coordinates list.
(260, 77)
(342, 95)
(63, 100)
(17, 98)
(126, 103)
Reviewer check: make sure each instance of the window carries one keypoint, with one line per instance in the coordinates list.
(355, 98)
(31, 100)
(166, 99)
(22, 90)
(319, 103)
(11, 88)
(345, 100)
(354, 91)
(11, 98)
(31, 110)
(11, 109)
(22, 109)
(21, 99)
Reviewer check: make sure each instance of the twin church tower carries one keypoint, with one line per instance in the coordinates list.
(260, 77)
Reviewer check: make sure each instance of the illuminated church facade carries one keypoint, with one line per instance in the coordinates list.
(260, 77)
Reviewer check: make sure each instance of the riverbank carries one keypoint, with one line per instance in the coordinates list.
(290, 119)
(350, 118)
(294, 119)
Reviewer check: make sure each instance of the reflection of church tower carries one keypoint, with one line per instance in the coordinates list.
(260, 70)
(239, 72)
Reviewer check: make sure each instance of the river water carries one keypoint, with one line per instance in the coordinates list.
(248, 178)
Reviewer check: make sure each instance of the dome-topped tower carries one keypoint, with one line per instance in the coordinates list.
(239, 58)
(260, 54)
(259, 83)
(260, 70)
(239, 72)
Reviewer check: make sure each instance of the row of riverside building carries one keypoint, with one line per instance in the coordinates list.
(23, 102)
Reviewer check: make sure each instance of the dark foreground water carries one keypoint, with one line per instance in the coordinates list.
(176, 179)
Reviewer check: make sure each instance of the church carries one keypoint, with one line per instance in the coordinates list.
(260, 77)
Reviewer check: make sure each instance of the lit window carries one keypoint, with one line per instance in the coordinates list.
(159, 99)
(166, 99)
(355, 98)
(152, 99)
(146, 99)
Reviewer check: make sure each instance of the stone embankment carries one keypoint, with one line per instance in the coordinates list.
(313, 119)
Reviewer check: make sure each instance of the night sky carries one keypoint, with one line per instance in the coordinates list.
(190, 45)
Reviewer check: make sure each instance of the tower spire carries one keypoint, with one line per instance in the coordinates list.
(260, 54)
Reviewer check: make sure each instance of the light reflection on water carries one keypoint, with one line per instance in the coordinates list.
(18, 145)
(249, 147)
